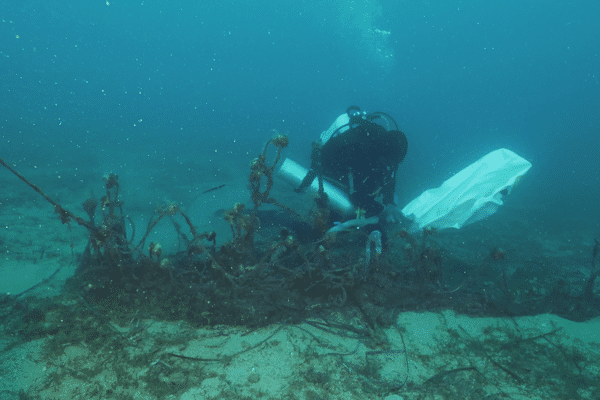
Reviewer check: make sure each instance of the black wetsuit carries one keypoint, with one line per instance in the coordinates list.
(363, 160)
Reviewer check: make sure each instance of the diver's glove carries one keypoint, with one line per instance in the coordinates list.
(306, 182)
(366, 202)
(392, 213)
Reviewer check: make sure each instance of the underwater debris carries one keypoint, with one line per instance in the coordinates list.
(89, 206)
(588, 291)
(260, 169)
(213, 189)
(154, 250)
(242, 225)
(279, 278)
(64, 215)
(321, 217)
(352, 224)
(373, 239)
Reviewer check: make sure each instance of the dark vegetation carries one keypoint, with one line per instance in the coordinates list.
(120, 280)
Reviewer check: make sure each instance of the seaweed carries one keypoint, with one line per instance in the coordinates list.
(281, 281)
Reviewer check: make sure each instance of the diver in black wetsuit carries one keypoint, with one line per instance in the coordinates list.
(360, 153)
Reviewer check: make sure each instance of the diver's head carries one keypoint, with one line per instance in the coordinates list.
(352, 111)
(356, 116)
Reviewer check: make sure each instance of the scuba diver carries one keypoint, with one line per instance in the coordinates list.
(360, 154)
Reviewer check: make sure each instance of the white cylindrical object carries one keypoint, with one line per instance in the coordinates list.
(294, 173)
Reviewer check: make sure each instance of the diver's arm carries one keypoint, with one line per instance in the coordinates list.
(315, 165)
(307, 181)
